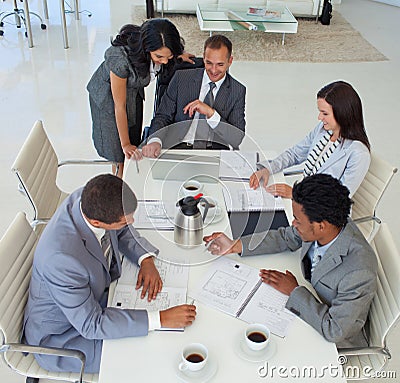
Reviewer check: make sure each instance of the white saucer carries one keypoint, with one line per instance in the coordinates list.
(243, 351)
(202, 376)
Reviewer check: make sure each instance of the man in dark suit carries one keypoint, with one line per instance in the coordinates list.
(335, 258)
(76, 259)
(206, 106)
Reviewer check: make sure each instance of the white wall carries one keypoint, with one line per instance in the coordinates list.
(390, 2)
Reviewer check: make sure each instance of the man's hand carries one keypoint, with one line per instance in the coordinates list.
(280, 190)
(219, 244)
(283, 282)
(152, 150)
(149, 278)
(178, 316)
(198, 106)
(256, 177)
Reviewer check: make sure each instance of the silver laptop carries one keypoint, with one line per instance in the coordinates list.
(180, 167)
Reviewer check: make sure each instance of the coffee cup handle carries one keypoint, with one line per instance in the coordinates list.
(182, 366)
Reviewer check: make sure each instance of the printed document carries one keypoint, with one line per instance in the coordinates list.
(236, 165)
(239, 196)
(155, 214)
(236, 289)
(175, 279)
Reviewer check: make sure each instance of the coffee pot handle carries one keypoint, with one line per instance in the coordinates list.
(205, 208)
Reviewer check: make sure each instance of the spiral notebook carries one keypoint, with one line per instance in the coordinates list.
(240, 197)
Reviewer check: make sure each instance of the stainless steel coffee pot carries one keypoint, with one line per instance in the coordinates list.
(188, 229)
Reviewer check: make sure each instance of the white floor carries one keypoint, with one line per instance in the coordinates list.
(48, 83)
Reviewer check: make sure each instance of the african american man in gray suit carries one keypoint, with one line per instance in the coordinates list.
(335, 258)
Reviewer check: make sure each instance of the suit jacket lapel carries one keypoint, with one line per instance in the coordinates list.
(335, 156)
(333, 256)
(89, 239)
(223, 94)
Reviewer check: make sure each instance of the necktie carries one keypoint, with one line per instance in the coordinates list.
(316, 258)
(209, 98)
(106, 246)
(201, 137)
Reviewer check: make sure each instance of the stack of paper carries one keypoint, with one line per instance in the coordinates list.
(175, 279)
(240, 197)
(237, 165)
(155, 214)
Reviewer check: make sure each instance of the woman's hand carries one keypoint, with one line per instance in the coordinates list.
(256, 177)
(280, 190)
(187, 57)
(131, 151)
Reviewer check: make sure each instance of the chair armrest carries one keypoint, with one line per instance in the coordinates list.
(292, 172)
(24, 348)
(85, 162)
(366, 219)
(365, 351)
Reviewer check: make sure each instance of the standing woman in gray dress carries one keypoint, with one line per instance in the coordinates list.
(116, 89)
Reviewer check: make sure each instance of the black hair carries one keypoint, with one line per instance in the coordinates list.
(151, 36)
(218, 41)
(347, 110)
(323, 198)
(107, 198)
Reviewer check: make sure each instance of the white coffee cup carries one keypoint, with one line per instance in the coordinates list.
(213, 210)
(257, 336)
(191, 188)
(194, 357)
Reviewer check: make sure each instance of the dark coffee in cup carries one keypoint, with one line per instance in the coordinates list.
(195, 358)
(257, 337)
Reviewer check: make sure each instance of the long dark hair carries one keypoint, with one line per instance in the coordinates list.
(151, 36)
(347, 110)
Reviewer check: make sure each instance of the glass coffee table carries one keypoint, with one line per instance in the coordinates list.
(214, 18)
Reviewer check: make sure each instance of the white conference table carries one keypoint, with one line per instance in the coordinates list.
(154, 358)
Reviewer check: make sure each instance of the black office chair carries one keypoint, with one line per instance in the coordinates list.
(20, 18)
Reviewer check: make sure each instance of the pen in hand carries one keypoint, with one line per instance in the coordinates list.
(209, 244)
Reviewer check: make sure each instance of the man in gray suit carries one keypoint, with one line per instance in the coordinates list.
(335, 258)
(76, 259)
(206, 105)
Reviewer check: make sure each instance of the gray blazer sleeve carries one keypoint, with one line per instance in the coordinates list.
(133, 245)
(346, 315)
(69, 288)
(272, 241)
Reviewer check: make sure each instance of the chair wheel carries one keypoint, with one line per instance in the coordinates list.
(1, 24)
(26, 34)
(1, 33)
(43, 26)
(31, 380)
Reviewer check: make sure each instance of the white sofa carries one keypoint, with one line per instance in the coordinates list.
(307, 8)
